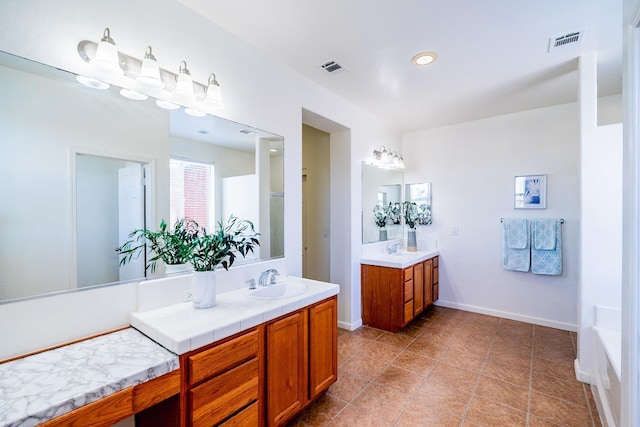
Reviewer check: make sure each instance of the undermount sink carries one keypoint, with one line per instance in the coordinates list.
(279, 291)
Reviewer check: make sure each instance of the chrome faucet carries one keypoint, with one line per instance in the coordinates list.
(264, 277)
(393, 248)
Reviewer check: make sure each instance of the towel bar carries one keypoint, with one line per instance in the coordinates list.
(561, 220)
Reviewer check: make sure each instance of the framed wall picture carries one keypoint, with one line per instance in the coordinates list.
(530, 192)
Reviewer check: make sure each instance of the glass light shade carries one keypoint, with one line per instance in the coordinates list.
(184, 85)
(213, 96)
(166, 104)
(92, 83)
(150, 71)
(106, 58)
(132, 94)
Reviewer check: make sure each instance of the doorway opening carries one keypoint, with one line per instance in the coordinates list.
(316, 241)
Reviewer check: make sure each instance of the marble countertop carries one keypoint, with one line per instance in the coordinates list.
(181, 328)
(401, 259)
(43, 386)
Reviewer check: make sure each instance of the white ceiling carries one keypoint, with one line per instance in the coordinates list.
(493, 55)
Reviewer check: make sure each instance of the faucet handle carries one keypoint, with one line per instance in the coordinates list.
(251, 283)
(273, 277)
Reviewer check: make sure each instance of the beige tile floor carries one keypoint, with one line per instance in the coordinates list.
(455, 368)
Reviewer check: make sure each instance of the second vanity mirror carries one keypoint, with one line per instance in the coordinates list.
(381, 189)
(82, 168)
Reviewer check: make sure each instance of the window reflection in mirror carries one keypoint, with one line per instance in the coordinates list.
(46, 117)
(420, 194)
(380, 187)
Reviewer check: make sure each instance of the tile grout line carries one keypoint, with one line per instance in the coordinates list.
(531, 356)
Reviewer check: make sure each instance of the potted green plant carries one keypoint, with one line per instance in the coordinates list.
(411, 216)
(380, 216)
(220, 248)
(169, 245)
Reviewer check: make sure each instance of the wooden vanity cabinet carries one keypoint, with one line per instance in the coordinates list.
(393, 297)
(301, 359)
(436, 279)
(223, 383)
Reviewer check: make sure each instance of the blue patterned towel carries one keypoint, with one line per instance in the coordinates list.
(516, 253)
(544, 233)
(546, 251)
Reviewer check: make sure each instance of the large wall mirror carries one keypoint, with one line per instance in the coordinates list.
(73, 157)
(381, 188)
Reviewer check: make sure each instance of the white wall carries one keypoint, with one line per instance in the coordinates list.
(269, 97)
(471, 167)
(601, 227)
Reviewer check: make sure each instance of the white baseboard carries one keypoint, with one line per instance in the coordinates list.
(350, 326)
(508, 315)
(581, 375)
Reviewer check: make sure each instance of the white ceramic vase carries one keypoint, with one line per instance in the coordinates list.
(204, 289)
(176, 268)
(382, 235)
(412, 245)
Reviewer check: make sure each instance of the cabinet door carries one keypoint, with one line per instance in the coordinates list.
(428, 282)
(287, 367)
(418, 288)
(323, 346)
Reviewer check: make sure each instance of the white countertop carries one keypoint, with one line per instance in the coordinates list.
(401, 259)
(181, 328)
(46, 385)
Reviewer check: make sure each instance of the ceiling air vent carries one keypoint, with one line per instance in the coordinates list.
(331, 66)
(573, 38)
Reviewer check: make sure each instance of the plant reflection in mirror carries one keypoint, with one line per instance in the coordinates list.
(380, 216)
(222, 246)
(394, 211)
(171, 246)
(424, 214)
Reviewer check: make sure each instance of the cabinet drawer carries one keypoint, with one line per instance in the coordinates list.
(408, 312)
(223, 357)
(408, 290)
(408, 273)
(222, 396)
(436, 275)
(248, 417)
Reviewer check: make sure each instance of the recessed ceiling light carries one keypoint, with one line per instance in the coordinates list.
(424, 58)
(273, 150)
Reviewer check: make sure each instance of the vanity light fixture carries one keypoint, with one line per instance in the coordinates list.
(150, 71)
(144, 78)
(424, 58)
(386, 159)
(106, 58)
